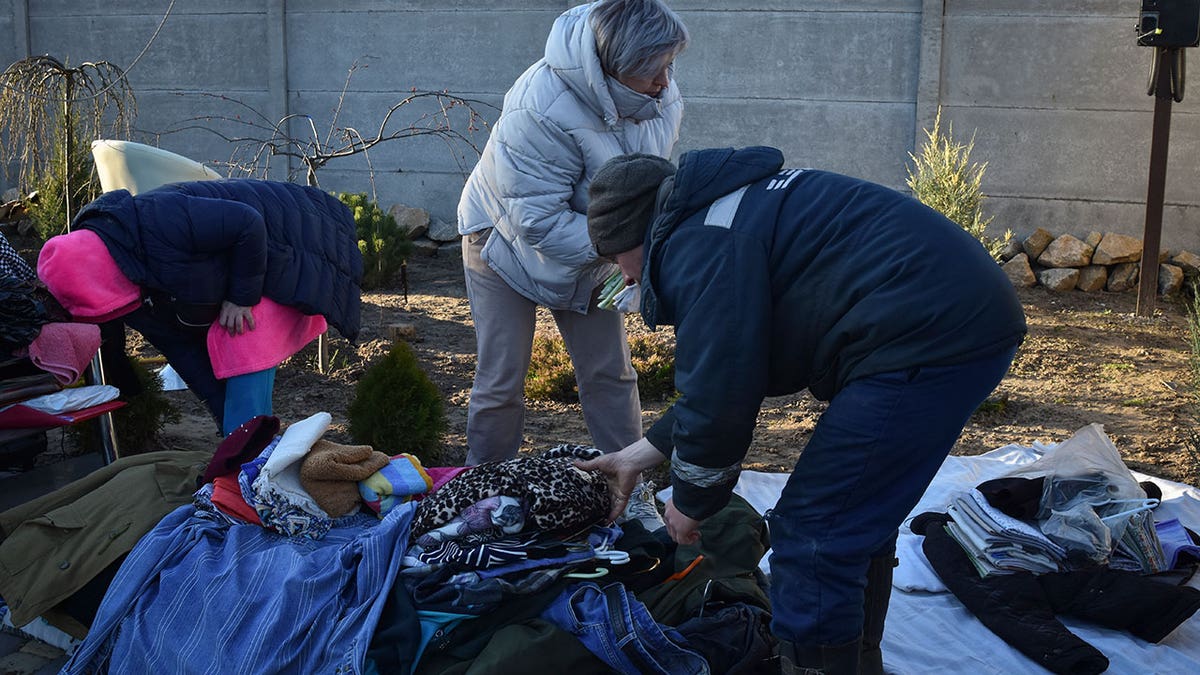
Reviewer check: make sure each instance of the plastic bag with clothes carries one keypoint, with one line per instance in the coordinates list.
(1089, 496)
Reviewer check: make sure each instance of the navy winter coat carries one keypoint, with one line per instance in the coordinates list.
(778, 280)
(238, 240)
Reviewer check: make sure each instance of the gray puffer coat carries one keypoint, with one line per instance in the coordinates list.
(562, 119)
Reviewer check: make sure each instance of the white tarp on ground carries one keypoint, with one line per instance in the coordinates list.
(930, 632)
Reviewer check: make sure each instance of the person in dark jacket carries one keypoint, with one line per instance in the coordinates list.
(780, 280)
(225, 278)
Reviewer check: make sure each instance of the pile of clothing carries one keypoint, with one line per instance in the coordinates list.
(298, 554)
(1072, 534)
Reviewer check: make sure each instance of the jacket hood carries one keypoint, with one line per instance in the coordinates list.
(704, 176)
(571, 54)
(116, 205)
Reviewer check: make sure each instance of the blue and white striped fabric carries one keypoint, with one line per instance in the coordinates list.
(201, 596)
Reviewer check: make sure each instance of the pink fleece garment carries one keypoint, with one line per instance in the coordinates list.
(81, 274)
(65, 349)
(279, 332)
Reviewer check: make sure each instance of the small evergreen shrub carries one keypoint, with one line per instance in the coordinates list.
(944, 178)
(551, 376)
(396, 408)
(137, 424)
(49, 212)
(384, 246)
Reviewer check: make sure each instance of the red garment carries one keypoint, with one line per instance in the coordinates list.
(227, 496)
(23, 417)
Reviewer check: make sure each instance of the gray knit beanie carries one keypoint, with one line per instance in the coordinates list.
(621, 201)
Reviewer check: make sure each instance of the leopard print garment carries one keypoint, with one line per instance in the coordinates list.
(558, 495)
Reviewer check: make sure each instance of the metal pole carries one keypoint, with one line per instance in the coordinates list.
(1156, 187)
(108, 435)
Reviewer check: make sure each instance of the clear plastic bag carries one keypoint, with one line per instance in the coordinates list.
(1088, 495)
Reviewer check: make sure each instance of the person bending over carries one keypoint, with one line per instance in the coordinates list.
(779, 280)
(225, 278)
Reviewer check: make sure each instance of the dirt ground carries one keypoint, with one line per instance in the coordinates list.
(1088, 358)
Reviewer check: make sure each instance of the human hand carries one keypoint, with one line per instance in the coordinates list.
(683, 530)
(622, 470)
(235, 318)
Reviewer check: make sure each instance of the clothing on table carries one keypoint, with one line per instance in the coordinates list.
(616, 627)
(12, 264)
(242, 445)
(64, 350)
(557, 494)
(330, 472)
(1021, 608)
(504, 327)
(255, 601)
(25, 306)
(278, 494)
(493, 517)
(401, 479)
(227, 496)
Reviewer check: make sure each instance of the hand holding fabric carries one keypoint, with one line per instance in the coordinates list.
(622, 470)
(235, 318)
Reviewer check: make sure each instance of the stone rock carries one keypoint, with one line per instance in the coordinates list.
(1011, 249)
(425, 247)
(1122, 277)
(1170, 279)
(1059, 278)
(1066, 251)
(10, 195)
(1037, 242)
(1188, 261)
(1092, 278)
(1019, 272)
(440, 231)
(1117, 248)
(1093, 239)
(402, 331)
(450, 249)
(411, 219)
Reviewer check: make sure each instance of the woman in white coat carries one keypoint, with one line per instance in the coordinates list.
(604, 88)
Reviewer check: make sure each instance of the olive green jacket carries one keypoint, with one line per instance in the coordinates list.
(51, 546)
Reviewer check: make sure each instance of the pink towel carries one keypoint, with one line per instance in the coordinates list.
(65, 349)
(279, 332)
(81, 274)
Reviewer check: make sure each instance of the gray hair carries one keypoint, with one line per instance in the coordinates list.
(632, 35)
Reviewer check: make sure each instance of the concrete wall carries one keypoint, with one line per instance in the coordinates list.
(1054, 92)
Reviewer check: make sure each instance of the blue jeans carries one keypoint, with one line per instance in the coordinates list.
(872, 455)
(616, 627)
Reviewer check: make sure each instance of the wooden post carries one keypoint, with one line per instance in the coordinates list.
(1156, 186)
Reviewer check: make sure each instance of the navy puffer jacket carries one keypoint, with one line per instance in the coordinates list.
(238, 240)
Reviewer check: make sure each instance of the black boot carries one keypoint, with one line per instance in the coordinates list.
(819, 660)
(875, 606)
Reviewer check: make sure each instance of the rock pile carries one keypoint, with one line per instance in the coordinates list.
(1109, 262)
